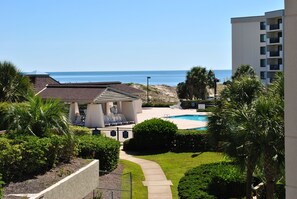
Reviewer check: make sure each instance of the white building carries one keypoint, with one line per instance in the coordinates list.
(258, 41)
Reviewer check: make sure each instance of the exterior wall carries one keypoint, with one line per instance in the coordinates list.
(75, 186)
(246, 44)
(138, 105)
(290, 44)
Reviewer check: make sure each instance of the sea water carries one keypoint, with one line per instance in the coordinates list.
(168, 77)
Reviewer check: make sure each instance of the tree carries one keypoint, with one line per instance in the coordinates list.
(197, 80)
(37, 117)
(229, 126)
(182, 90)
(244, 70)
(250, 122)
(14, 87)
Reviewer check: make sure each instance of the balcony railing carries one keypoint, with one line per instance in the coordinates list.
(274, 26)
(274, 53)
(274, 40)
(274, 67)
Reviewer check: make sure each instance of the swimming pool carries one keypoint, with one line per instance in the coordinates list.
(201, 118)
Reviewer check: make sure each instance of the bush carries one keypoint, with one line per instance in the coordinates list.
(4, 106)
(188, 104)
(79, 130)
(168, 104)
(1, 189)
(102, 148)
(219, 180)
(27, 156)
(190, 141)
(153, 134)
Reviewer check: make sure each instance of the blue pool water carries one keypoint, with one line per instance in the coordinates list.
(201, 128)
(202, 118)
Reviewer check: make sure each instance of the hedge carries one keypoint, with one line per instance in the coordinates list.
(79, 130)
(102, 148)
(153, 134)
(27, 156)
(190, 104)
(191, 141)
(158, 104)
(219, 180)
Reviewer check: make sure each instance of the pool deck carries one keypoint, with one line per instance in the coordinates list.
(149, 113)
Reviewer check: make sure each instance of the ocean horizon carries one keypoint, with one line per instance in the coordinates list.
(166, 77)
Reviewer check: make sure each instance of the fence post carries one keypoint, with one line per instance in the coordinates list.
(130, 185)
(118, 133)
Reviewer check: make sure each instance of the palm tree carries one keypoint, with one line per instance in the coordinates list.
(244, 70)
(37, 117)
(14, 87)
(197, 80)
(230, 125)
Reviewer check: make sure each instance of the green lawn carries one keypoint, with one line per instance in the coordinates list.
(176, 164)
(138, 190)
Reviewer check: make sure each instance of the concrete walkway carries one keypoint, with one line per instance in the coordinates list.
(155, 179)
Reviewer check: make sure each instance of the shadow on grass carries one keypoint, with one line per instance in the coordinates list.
(196, 154)
(146, 152)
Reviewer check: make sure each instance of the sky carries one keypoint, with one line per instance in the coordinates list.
(121, 35)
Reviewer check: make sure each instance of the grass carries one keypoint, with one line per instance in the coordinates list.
(175, 165)
(138, 190)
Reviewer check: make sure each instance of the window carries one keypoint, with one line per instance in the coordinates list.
(262, 75)
(262, 25)
(262, 38)
(263, 62)
(263, 50)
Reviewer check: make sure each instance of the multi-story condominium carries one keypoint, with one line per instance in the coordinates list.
(258, 41)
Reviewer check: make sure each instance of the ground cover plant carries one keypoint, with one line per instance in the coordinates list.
(138, 189)
(175, 165)
(210, 181)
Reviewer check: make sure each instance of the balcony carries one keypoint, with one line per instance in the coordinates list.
(275, 67)
(274, 27)
(275, 54)
(274, 41)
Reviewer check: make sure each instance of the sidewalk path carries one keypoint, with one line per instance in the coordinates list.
(155, 179)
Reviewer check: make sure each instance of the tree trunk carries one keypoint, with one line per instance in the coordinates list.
(269, 172)
(251, 164)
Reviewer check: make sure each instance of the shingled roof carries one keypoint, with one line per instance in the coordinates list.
(85, 93)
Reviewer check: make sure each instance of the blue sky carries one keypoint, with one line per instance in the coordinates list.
(121, 35)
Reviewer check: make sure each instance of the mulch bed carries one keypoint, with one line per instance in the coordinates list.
(109, 184)
(41, 182)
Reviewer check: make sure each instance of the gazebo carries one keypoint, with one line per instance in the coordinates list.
(99, 98)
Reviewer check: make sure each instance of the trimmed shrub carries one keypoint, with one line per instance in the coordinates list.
(102, 148)
(154, 134)
(168, 104)
(190, 104)
(190, 141)
(79, 130)
(219, 180)
(27, 156)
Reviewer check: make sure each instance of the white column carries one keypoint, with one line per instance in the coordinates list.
(129, 111)
(94, 117)
(73, 111)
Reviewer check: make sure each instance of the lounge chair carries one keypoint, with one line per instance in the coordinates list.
(106, 121)
(125, 120)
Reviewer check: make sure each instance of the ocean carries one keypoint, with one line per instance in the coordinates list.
(168, 77)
